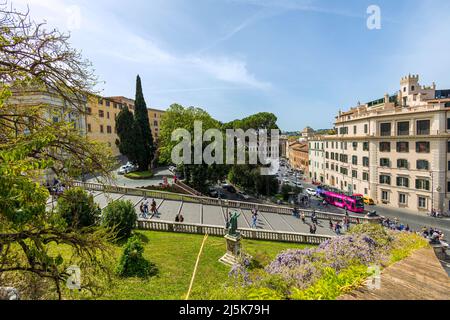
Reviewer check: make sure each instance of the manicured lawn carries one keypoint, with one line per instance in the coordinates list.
(139, 175)
(175, 254)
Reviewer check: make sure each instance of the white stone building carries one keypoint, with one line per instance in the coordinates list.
(395, 150)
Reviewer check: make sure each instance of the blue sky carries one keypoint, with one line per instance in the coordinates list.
(300, 59)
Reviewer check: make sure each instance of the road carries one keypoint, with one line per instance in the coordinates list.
(415, 220)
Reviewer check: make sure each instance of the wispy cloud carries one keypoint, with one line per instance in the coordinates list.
(118, 41)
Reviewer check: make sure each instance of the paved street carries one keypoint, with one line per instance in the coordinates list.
(120, 180)
(213, 215)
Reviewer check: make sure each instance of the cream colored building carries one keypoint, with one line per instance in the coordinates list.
(395, 149)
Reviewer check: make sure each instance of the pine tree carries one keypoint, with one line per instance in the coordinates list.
(144, 140)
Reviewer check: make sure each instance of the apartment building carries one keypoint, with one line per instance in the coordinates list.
(101, 119)
(298, 156)
(395, 150)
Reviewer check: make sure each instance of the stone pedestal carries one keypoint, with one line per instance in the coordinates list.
(233, 253)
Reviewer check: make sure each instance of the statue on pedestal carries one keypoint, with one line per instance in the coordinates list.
(232, 230)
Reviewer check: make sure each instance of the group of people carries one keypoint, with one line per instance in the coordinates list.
(339, 225)
(56, 187)
(434, 235)
(436, 213)
(394, 224)
(145, 208)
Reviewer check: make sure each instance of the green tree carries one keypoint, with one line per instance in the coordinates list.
(78, 208)
(127, 133)
(121, 217)
(132, 262)
(145, 148)
(32, 238)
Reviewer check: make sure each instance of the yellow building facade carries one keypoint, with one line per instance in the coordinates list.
(101, 119)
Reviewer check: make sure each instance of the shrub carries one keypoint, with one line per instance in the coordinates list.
(375, 231)
(132, 263)
(121, 216)
(78, 208)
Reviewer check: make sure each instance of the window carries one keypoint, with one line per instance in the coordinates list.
(89, 110)
(385, 196)
(155, 123)
(385, 179)
(403, 128)
(385, 146)
(385, 129)
(402, 182)
(327, 155)
(355, 160)
(365, 146)
(448, 165)
(100, 101)
(107, 115)
(448, 146)
(422, 202)
(355, 174)
(366, 176)
(366, 129)
(365, 161)
(343, 130)
(384, 162)
(101, 128)
(108, 129)
(423, 147)
(402, 163)
(423, 127)
(344, 171)
(422, 165)
(448, 186)
(402, 198)
(403, 146)
(89, 129)
(343, 158)
(108, 103)
(355, 146)
(332, 166)
(366, 191)
(448, 123)
(354, 129)
(327, 165)
(101, 113)
(412, 88)
(115, 105)
(422, 184)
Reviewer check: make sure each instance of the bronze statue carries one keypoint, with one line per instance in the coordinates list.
(232, 231)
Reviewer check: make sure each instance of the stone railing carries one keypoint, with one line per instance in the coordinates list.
(220, 231)
(231, 204)
(188, 189)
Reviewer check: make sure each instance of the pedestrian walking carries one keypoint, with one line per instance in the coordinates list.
(254, 221)
(141, 209)
(331, 224)
(145, 206)
(303, 217)
(154, 208)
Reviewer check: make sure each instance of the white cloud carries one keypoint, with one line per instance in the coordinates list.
(106, 35)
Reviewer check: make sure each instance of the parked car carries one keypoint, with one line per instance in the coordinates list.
(229, 188)
(243, 195)
(129, 167)
(368, 200)
(298, 184)
(311, 192)
(172, 169)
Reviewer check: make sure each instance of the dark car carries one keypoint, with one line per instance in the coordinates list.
(229, 188)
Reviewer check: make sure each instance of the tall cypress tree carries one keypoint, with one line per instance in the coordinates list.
(144, 139)
(126, 130)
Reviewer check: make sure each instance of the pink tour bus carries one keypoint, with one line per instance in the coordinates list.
(354, 203)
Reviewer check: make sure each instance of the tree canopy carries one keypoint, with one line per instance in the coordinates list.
(32, 145)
